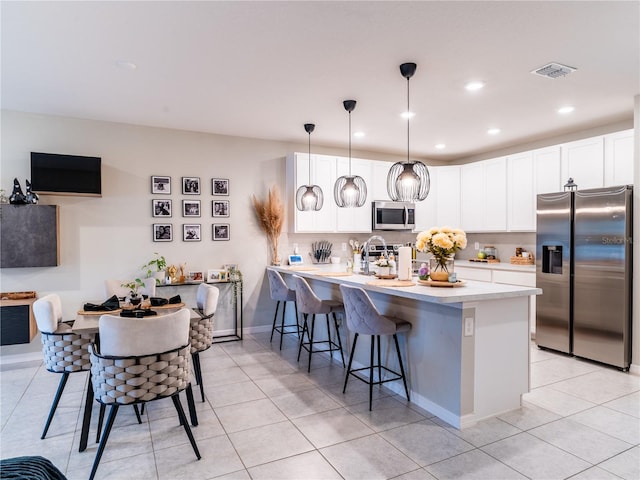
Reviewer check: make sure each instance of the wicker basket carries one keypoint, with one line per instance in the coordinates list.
(530, 260)
(17, 295)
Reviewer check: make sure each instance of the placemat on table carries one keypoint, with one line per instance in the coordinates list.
(100, 312)
(391, 283)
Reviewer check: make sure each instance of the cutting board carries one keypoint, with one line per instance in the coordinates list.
(303, 269)
(391, 283)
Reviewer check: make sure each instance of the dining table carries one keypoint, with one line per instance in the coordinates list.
(87, 322)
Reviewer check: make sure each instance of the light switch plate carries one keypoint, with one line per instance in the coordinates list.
(468, 327)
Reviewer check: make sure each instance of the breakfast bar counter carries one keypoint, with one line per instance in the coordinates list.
(468, 348)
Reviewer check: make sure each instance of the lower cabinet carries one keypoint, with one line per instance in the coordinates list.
(17, 323)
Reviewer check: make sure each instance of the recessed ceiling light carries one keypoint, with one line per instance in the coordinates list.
(358, 134)
(474, 85)
(493, 131)
(407, 114)
(441, 146)
(126, 65)
(565, 110)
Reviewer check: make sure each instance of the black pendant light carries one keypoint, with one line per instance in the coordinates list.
(309, 197)
(408, 181)
(350, 191)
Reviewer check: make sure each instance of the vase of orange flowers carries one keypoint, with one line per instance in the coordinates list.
(442, 243)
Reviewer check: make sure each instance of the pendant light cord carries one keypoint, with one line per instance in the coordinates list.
(408, 119)
(349, 143)
(309, 158)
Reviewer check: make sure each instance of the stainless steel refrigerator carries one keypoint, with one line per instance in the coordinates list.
(584, 267)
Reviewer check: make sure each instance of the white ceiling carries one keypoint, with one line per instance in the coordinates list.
(263, 69)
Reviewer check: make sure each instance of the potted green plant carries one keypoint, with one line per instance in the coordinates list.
(156, 268)
(134, 297)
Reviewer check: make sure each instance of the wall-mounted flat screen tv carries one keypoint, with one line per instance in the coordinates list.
(57, 174)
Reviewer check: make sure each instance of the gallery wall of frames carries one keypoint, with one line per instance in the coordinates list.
(192, 208)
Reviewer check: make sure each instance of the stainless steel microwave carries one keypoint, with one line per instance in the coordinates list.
(393, 215)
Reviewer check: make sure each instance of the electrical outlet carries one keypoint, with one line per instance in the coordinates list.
(344, 246)
(476, 245)
(468, 327)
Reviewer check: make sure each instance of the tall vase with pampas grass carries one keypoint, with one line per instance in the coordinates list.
(270, 215)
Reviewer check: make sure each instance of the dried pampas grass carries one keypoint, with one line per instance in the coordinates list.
(270, 215)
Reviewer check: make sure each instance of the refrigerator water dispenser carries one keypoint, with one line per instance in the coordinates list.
(552, 259)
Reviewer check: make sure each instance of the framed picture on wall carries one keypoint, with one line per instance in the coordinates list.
(191, 208)
(161, 208)
(161, 184)
(191, 185)
(221, 231)
(191, 232)
(220, 208)
(162, 232)
(196, 276)
(220, 186)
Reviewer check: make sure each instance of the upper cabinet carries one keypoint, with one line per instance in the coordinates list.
(618, 158)
(496, 195)
(521, 213)
(354, 219)
(447, 196)
(583, 161)
(484, 195)
(323, 174)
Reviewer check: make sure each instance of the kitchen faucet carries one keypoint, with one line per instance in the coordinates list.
(365, 260)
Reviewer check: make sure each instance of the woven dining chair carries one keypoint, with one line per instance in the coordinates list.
(201, 327)
(64, 351)
(140, 361)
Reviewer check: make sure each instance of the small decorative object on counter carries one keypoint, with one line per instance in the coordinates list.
(392, 265)
(423, 272)
(453, 277)
(492, 253)
(172, 270)
(134, 297)
(159, 263)
(3, 197)
(270, 215)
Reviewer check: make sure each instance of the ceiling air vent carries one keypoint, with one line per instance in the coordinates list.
(553, 70)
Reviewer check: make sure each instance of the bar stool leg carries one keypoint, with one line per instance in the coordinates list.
(353, 349)
(335, 322)
(379, 360)
(305, 328)
(275, 316)
(404, 378)
(284, 312)
(373, 342)
(295, 306)
(313, 326)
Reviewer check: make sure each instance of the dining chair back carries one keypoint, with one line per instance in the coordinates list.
(139, 361)
(201, 327)
(64, 351)
(364, 318)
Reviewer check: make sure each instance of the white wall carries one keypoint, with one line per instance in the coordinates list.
(110, 237)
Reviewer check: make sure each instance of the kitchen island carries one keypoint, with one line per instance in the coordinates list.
(467, 354)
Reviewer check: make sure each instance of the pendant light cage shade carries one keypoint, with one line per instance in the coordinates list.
(309, 197)
(408, 181)
(350, 191)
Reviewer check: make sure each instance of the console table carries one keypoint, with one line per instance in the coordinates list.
(234, 288)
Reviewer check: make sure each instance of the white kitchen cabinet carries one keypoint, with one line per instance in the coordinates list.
(427, 209)
(379, 172)
(323, 174)
(477, 274)
(354, 219)
(547, 170)
(448, 196)
(484, 195)
(618, 158)
(521, 197)
(583, 161)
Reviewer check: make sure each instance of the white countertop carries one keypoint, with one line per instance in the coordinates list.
(472, 291)
(506, 266)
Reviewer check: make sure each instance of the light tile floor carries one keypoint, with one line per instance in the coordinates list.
(265, 417)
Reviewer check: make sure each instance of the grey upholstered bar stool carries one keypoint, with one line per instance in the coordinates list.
(309, 304)
(280, 292)
(364, 318)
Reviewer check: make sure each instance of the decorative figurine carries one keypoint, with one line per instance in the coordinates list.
(17, 197)
(3, 197)
(31, 197)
